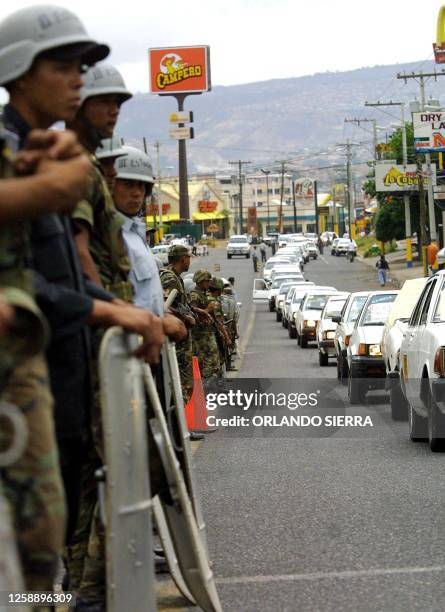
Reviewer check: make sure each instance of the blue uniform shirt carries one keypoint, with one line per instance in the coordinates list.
(144, 274)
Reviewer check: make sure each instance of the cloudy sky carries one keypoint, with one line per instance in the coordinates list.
(255, 40)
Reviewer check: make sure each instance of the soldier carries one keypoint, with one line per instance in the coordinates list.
(107, 153)
(204, 334)
(223, 339)
(44, 83)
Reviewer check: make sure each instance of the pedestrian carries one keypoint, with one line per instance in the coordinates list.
(263, 251)
(382, 267)
(255, 259)
(223, 339)
(432, 250)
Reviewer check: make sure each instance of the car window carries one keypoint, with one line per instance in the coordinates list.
(377, 309)
(240, 239)
(315, 302)
(333, 309)
(414, 320)
(356, 308)
(426, 303)
(439, 313)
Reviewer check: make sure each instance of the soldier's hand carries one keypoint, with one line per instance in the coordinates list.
(174, 328)
(146, 324)
(66, 181)
(46, 144)
(189, 321)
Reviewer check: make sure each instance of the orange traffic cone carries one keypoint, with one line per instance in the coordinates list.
(196, 409)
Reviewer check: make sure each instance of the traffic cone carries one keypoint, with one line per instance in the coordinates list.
(196, 409)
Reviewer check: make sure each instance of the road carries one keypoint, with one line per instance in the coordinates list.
(320, 523)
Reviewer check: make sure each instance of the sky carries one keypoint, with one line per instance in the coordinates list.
(257, 40)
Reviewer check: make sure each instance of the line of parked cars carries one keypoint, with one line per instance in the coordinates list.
(389, 339)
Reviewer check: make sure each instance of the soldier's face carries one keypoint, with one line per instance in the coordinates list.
(185, 263)
(102, 113)
(49, 92)
(129, 196)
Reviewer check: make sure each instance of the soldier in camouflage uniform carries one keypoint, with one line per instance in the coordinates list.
(204, 333)
(179, 262)
(223, 339)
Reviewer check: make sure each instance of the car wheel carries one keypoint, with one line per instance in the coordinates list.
(356, 390)
(418, 426)
(436, 425)
(298, 339)
(285, 323)
(278, 316)
(271, 307)
(229, 257)
(247, 256)
(399, 405)
(323, 359)
(303, 341)
(292, 332)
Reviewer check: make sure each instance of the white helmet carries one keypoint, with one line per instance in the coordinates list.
(103, 80)
(110, 147)
(43, 28)
(135, 166)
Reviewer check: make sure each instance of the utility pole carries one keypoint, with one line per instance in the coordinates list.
(408, 231)
(374, 130)
(349, 190)
(267, 172)
(240, 163)
(317, 219)
(158, 169)
(421, 77)
(280, 214)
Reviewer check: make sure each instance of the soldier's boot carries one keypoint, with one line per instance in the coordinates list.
(92, 587)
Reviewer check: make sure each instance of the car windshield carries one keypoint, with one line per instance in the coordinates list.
(356, 308)
(439, 314)
(333, 309)
(378, 308)
(273, 264)
(279, 281)
(241, 239)
(315, 302)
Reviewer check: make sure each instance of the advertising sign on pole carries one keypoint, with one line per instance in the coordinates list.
(390, 178)
(429, 132)
(180, 70)
(304, 188)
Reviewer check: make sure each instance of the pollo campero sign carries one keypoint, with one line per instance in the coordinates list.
(179, 70)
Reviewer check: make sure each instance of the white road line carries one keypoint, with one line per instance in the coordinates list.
(323, 260)
(246, 338)
(345, 575)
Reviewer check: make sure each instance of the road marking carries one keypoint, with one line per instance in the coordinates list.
(323, 259)
(246, 338)
(391, 571)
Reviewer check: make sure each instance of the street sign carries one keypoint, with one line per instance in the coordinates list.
(439, 45)
(176, 70)
(182, 117)
(399, 178)
(429, 132)
(183, 133)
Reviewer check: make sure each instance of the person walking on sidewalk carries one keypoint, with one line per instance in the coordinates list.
(263, 251)
(382, 267)
(255, 259)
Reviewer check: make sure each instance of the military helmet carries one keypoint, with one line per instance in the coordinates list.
(110, 147)
(216, 283)
(201, 275)
(42, 28)
(178, 250)
(135, 165)
(103, 80)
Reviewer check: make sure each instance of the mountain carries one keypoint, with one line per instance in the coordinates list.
(275, 119)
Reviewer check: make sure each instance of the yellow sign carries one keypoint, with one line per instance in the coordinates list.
(439, 45)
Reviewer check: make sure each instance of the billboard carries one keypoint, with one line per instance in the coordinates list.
(429, 132)
(390, 178)
(304, 188)
(176, 70)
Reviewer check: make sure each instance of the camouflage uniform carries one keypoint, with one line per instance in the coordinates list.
(204, 336)
(184, 350)
(218, 316)
(32, 485)
(87, 551)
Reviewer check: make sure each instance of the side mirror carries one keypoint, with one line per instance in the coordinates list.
(336, 319)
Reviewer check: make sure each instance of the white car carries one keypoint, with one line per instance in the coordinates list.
(393, 332)
(326, 327)
(308, 315)
(345, 325)
(293, 300)
(343, 246)
(161, 251)
(238, 245)
(272, 263)
(285, 289)
(364, 353)
(313, 250)
(281, 278)
(422, 360)
(312, 237)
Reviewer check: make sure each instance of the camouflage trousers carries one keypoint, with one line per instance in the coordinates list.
(33, 485)
(184, 353)
(206, 349)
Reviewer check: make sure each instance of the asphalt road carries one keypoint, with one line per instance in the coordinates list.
(322, 523)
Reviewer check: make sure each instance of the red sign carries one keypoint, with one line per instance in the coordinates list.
(207, 206)
(180, 70)
(153, 209)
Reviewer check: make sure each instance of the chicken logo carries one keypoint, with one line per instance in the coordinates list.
(174, 70)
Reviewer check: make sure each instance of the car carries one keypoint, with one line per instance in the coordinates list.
(422, 361)
(238, 245)
(272, 263)
(161, 251)
(326, 327)
(308, 315)
(345, 325)
(311, 237)
(343, 246)
(334, 246)
(393, 332)
(280, 297)
(274, 288)
(364, 353)
(290, 306)
(313, 250)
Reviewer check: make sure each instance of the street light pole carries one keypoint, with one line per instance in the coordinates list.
(267, 172)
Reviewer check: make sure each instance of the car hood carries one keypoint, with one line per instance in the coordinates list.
(312, 314)
(327, 325)
(371, 334)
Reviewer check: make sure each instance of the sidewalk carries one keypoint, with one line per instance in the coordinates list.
(398, 272)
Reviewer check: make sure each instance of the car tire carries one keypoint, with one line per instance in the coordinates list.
(278, 316)
(247, 256)
(303, 341)
(418, 426)
(356, 390)
(398, 403)
(285, 323)
(323, 359)
(436, 425)
(229, 257)
(271, 307)
(292, 332)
